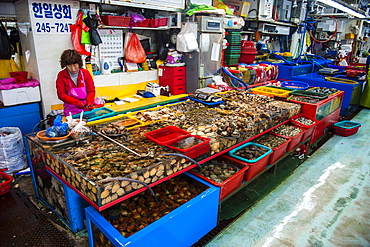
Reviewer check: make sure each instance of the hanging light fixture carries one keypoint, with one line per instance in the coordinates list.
(341, 7)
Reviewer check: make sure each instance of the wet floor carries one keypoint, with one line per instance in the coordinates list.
(325, 202)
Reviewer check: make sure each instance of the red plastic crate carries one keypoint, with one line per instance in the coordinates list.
(280, 151)
(159, 22)
(309, 128)
(256, 167)
(233, 182)
(144, 23)
(352, 73)
(195, 150)
(295, 140)
(166, 135)
(111, 20)
(5, 186)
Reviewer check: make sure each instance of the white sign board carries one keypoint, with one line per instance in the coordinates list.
(51, 17)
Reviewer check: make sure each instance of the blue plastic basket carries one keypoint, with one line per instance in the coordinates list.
(347, 124)
(299, 85)
(231, 153)
(96, 114)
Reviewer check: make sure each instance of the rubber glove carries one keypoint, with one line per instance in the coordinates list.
(80, 105)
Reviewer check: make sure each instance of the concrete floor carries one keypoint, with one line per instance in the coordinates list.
(325, 202)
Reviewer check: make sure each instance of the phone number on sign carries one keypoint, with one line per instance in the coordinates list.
(52, 27)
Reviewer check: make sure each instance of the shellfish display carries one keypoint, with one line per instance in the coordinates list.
(304, 121)
(83, 165)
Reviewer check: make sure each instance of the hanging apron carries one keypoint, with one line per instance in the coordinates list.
(79, 93)
(365, 98)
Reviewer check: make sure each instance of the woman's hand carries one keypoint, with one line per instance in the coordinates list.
(80, 105)
(89, 107)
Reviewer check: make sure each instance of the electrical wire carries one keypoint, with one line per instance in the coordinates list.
(331, 37)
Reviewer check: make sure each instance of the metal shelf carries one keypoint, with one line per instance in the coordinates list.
(145, 28)
(281, 23)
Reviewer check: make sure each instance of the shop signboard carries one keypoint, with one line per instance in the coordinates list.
(52, 17)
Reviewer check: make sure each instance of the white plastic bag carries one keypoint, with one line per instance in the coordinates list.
(12, 153)
(186, 40)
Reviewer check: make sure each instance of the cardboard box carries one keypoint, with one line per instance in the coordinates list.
(240, 8)
(20, 95)
(350, 36)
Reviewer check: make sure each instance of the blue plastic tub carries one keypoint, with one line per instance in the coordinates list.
(298, 85)
(165, 231)
(250, 144)
(96, 114)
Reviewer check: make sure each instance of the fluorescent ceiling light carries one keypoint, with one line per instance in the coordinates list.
(342, 8)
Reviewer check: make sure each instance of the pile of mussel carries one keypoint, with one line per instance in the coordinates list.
(141, 210)
(270, 140)
(217, 171)
(251, 152)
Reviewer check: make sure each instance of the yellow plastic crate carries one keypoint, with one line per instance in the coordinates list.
(271, 92)
(148, 121)
(114, 119)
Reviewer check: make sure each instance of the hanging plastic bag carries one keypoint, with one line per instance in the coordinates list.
(5, 46)
(76, 34)
(186, 40)
(135, 52)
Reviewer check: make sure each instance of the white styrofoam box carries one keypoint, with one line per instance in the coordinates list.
(152, 75)
(107, 80)
(20, 95)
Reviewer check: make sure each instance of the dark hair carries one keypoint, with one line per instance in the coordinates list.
(69, 57)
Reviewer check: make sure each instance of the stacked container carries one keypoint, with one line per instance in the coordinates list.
(232, 52)
(248, 52)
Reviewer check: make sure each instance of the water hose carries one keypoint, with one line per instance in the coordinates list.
(131, 180)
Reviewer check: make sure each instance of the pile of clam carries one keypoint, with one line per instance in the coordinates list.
(251, 152)
(244, 96)
(287, 130)
(186, 106)
(269, 140)
(305, 99)
(216, 172)
(141, 210)
(305, 121)
(154, 115)
(324, 90)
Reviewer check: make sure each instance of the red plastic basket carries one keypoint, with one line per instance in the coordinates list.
(19, 76)
(5, 186)
(280, 151)
(344, 131)
(194, 151)
(144, 23)
(166, 135)
(112, 20)
(233, 182)
(309, 128)
(295, 140)
(159, 22)
(352, 73)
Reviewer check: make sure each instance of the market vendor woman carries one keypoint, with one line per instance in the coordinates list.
(75, 86)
